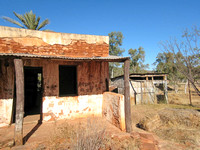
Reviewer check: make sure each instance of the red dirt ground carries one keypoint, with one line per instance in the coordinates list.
(36, 136)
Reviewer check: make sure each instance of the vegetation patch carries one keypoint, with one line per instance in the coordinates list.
(88, 135)
(177, 125)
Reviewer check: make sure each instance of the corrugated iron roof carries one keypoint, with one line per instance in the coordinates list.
(22, 55)
(141, 75)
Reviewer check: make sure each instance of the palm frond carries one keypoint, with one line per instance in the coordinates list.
(13, 21)
(44, 23)
(29, 21)
(20, 17)
(37, 23)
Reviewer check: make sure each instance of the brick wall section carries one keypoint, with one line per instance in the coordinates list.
(77, 48)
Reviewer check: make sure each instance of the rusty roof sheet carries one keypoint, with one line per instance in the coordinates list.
(142, 75)
(23, 55)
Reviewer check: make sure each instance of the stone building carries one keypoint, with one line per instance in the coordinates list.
(56, 75)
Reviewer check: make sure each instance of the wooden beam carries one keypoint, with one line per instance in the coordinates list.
(19, 74)
(127, 103)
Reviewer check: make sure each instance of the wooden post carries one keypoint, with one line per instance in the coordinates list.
(154, 93)
(165, 90)
(127, 104)
(19, 73)
(141, 92)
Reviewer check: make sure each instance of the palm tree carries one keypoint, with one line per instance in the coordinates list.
(29, 21)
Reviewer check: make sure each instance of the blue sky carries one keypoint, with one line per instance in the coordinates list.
(143, 22)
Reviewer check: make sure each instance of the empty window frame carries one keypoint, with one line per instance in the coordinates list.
(67, 80)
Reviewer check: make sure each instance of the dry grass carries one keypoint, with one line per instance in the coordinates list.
(83, 135)
(88, 134)
(183, 98)
(175, 123)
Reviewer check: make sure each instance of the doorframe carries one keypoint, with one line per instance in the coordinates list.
(42, 89)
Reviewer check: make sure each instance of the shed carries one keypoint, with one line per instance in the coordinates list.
(58, 76)
(144, 87)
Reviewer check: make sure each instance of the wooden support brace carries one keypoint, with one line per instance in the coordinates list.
(127, 104)
(19, 73)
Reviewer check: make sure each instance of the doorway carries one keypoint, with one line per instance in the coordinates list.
(33, 92)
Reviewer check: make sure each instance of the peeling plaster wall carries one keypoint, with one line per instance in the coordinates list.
(113, 109)
(91, 81)
(55, 108)
(91, 76)
(5, 111)
(15, 40)
(52, 37)
(92, 98)
(6, 90)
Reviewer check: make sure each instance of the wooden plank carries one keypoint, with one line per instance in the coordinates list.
(135, 93)
(19, 73)
(127, 103)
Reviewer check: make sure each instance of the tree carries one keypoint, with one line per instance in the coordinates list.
(137, 60)
(28, 20)
(115, 41)
(186, 54)
(165, 63)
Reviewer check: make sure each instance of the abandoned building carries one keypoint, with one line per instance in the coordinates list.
(145, 88)
(58, 76)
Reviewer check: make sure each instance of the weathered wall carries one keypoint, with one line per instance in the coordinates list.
(91, 76)
(52, 37)
(119, 83)
(91, 80)
(148, 94)
(55, 108)
(6, 90)
(14, 40)
(5, 111)
(113, 109)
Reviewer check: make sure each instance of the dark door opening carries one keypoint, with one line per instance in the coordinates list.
(33, 91)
